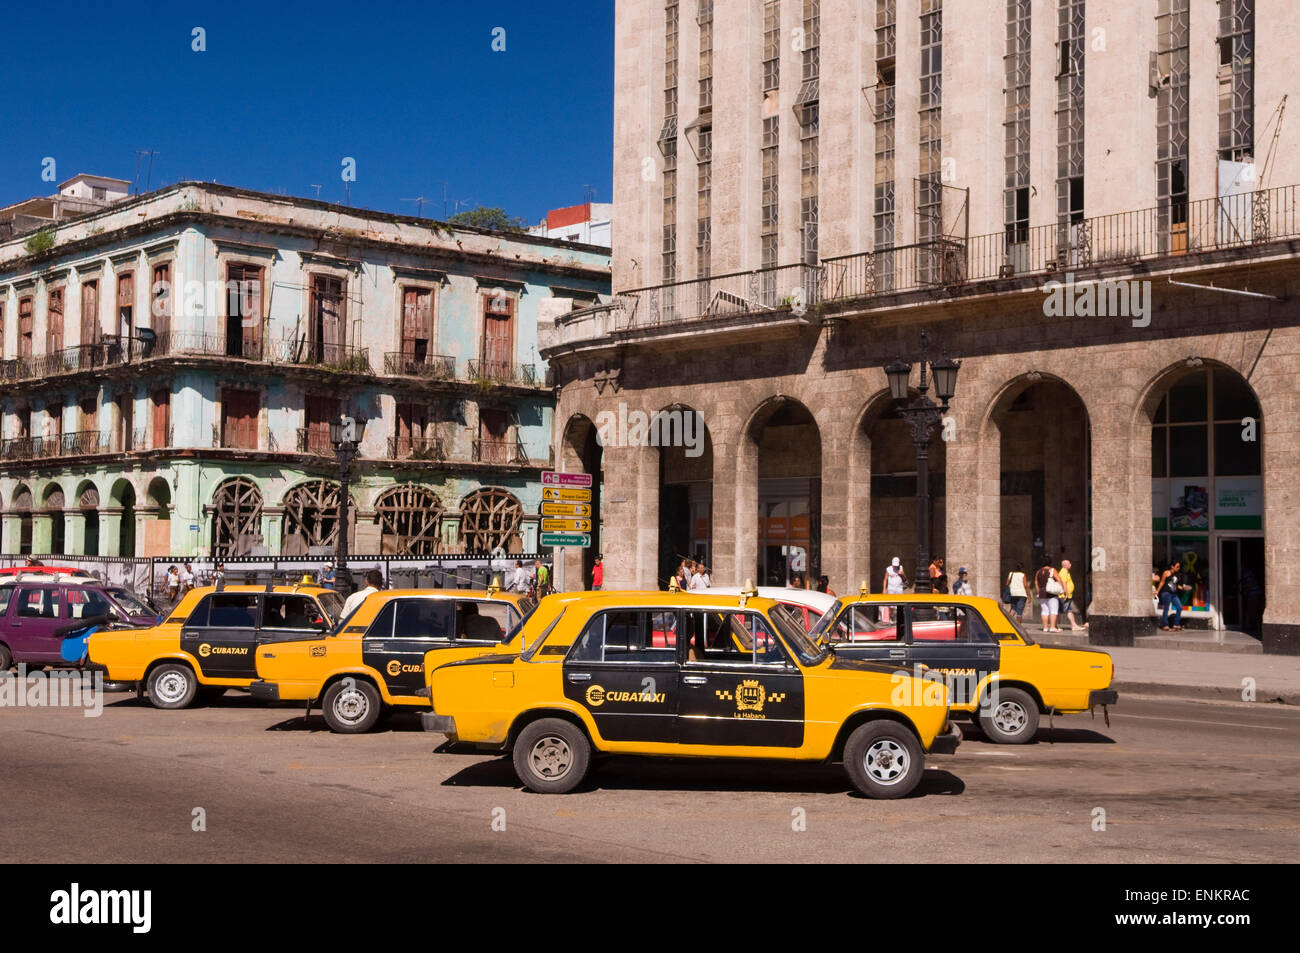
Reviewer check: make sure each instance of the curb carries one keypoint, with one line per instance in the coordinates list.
(1203, 692)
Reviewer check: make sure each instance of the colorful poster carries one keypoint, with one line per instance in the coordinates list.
(1190, 508)
(1238, 503)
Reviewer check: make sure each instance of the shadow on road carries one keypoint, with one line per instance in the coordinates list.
(396, 722)
(970, 732)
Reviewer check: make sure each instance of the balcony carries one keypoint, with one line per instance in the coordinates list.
(334, 357)
(415, 448)
(78, 443)
(502, 453)
(315, 441)
(787, 288)
(495, 372)
(433, 367)
(237, 434)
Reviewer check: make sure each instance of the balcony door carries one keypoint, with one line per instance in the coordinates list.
(498, 335)
(54, 323)
(162, 418)
(325, 330)
(244, 311)
(89, 313)
(417, 323)
(239, 418)
(318, 413)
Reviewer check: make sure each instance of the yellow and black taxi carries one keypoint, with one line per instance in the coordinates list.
(687, 675)
(993, 670)
(375, 659)
(208, 642)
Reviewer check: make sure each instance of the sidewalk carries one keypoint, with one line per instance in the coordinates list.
(1199, 674)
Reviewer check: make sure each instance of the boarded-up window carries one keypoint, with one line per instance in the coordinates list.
(54, 412)
(412, 428)
(162, 418)
(320, 411)
(498, 335)
(89, 312)
(239, 418)
(54, 321)
(325, 330)
(125, 422)
(417, 322)
(25, 327)
(125, 302)
(160, 294)
(89, 414)
(244, 311)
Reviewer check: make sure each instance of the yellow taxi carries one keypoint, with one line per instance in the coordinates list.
(208, 642)
(687, 675)
(375, 660)
(993, 670)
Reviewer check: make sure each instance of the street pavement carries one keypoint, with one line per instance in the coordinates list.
(1174, 780)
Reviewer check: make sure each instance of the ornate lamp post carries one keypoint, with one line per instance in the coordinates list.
(922, 414)
(345, 435)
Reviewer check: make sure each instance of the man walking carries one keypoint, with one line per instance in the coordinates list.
(374, 582)
(518, 578)
(962, 586)
(1067, 597)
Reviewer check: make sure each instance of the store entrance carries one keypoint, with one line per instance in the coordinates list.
(1241, 584)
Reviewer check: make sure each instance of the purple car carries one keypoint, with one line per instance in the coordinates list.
(36, 616)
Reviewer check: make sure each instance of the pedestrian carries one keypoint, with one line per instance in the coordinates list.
(824, 585)
(328, 577)
(1169, 590)
(219, 576)
(684, 575)
(598, 574)
(938, 578)
(542, 573)
(895, 583)
(1016, 591)
(796, 581)
(962, 586)
(187, 578)
(708, 576)
(1067, 596)
(173, 583)
(697, 577)
(374, 582)
(1047, 589)
(519, 579)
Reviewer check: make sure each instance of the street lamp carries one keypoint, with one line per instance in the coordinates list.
(922, 414)
(345, 435)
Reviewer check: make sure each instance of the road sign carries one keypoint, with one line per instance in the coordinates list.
(566, 539)
(551, 478)
(567, 525)
(573, 495)
(566, 509)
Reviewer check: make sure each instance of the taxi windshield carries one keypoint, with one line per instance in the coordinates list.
(128, 601)
(791, 629)
(527, 607)
(332, 603)
(826, 621)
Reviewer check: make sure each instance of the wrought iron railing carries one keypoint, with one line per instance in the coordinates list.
(80, 442)
(415, 448)
(500, 452)
(438, 367)
(788, 288)
(235, 435)
(498, 372)
(339, 357)
(315, 441)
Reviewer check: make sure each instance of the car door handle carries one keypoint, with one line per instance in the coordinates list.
(985, 653)
(579, 677)
(695, 680)
(897, 653)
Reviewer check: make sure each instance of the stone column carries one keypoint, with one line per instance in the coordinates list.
(110, 530)
(74, 531)
(42, 531)
(631, 517)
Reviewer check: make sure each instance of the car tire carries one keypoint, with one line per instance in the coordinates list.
(1012, 719)
(172, 685)
(884, 760)
(552, 756)
(351, 706)
(6, 658)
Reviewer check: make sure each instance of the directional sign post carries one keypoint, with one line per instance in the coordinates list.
(566, 509)
(566, 539)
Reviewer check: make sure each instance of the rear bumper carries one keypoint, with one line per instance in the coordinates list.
(264, 691)
(1103, 696)
(946, 741)
(443, 723)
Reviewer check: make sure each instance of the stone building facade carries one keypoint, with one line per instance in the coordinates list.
(172, 364)
(1090, 203)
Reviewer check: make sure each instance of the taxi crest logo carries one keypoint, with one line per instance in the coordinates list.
(598, 695)
(205, 650)
(595, 696)
(750, 695)
(394, 667)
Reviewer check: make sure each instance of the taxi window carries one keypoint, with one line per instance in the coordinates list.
(868, 622)
(483, 621)
(732, 637)
(332, 603)
(291, 612)
(199, 616)
(233, 610)
(382, 626)
(422, 618)
(948, 623)
(38, 604)
(85, 603)
(629, 635)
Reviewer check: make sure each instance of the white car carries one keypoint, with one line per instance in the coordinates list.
(808, 605)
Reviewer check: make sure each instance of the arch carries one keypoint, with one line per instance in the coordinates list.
(20, 505)
(410, 520)
(311, 517)
(21, 500)
(685, 480)
(87, 498)
(236, 517)
(779, 481)
(87, 495)
(122, 492)
(490, 518)
(122, 495)
(53, 502)
(158, 498)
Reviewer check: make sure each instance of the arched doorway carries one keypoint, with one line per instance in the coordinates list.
(21, 506)
(236, 517)
(123, 497)
(53, 506)
(311, 519)
(157, 525)
(1045, 497)
(789, 491)
(893, 491)
(410, 521)
(88, 504)
(580, 452)
(685, 489)
(1207, 493)
(490, 519)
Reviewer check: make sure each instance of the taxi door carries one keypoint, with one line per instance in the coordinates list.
(876, 632)
(221, 633)
(623, 670)
(396, 641)
(739, 686)
(953, 641)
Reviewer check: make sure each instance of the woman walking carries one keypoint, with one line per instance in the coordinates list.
(1171, 604)
(1018, 591)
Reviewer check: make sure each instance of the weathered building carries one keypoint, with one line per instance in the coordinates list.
(173, 362)
(1073, 198)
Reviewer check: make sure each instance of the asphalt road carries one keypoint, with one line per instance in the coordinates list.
(1178, 781)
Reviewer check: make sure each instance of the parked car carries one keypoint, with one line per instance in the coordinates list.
(808, 605)
(34, 609)
(688, 675)
(995, 672)
(209, 641)
(377, 659)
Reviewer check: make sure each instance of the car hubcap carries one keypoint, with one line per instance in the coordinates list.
(171, 687)
(1010, 718)
(351, 706)
(887, 761)
(552, 758)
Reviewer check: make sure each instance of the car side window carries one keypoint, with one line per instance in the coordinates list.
(947, 623)
(483, 621)
(85, 603)
(6, 594)
(732, 637)
(199, 617)
(291, 612)
(38, 604)
(869, 622)
(233, 610)
(382, 626)
(422, 618)
(625, 636)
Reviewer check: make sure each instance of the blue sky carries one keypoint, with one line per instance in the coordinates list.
(413, 91)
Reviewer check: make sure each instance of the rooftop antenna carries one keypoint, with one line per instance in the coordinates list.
(589, 192)
(149, 174)
(419, 201)
(317, 188)
(444, 199)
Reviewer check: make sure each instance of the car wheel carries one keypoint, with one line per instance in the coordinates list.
(552, 756)
(172, 685)
(6, 658)
(351, 706)
(883, 759)
(1011, 719)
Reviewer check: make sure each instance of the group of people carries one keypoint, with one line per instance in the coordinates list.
(1052, 587)
(896, 582)
(179, 580)
(693, 576)
(535, 582)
